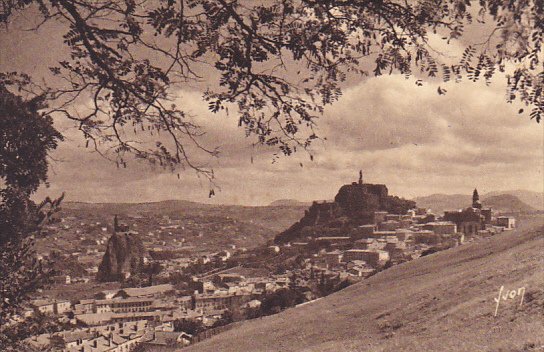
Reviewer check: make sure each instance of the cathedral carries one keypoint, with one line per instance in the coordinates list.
(472, 219)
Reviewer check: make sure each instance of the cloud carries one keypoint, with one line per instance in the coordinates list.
(467, 137)
(405, 136)
(408, 137)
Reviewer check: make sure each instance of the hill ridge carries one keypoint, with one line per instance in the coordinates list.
(505, 202)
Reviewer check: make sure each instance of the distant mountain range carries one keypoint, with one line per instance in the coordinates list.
(509, 201)
(506, 201)
(281, 213)
(289, 203)
(534, 199)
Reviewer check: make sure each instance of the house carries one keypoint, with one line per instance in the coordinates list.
(379, 216)
(185, 302)
(91, 319)
(374, 258)
(389, 225)
(332, 258)
(361, 271)
(212, 316)
(44, 306)
(207, 302)
(39, 342)
(149, 291)
(403, 234)
(114, 341)
(155, 316)
(426, 237)
(62, 306)
(76, 338)
(383, 234)
(364, 231)
(395, 217)
(118, 305)
(165, 340)
(334, 240)
(252, 304)
(85, 306)
(362, 243)
(441, 227)
(507, 222)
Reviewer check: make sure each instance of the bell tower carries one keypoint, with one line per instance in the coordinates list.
(476, 200)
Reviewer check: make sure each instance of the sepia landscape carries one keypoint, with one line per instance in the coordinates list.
(271, 175)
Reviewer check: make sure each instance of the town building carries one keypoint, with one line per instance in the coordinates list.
(389, 225)
(332, 259)
(374, 258)
(207, 302)
(507, 222)
(334, 240)
(441, 227)
(426, 237)
(49, 307)
(364, 231)
(118, 305)
(149, 291)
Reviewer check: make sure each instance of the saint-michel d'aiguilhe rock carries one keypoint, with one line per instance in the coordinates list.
(124, 255)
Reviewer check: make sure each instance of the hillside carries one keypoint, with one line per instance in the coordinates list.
(275, 218)
(504, 202)
(201, 227)
(534, 199)
(507, 203)
(441, 302)
(440, 202)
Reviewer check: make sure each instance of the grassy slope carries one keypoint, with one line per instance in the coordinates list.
(442, 302)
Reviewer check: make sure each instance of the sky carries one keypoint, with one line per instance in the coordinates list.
(410, 138)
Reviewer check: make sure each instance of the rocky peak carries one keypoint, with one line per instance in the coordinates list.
(124, 256)
(353, 205)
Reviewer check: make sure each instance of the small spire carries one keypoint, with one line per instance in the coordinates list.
(360, 177)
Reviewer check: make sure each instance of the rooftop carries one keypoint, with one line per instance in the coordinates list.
(146, 291)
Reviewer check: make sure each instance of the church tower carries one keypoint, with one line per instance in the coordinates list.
(360, 177)
(476, 200)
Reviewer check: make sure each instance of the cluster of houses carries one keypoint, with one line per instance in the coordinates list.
(118, 320)
(115, 337)
(391, 240)
(395, 238)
